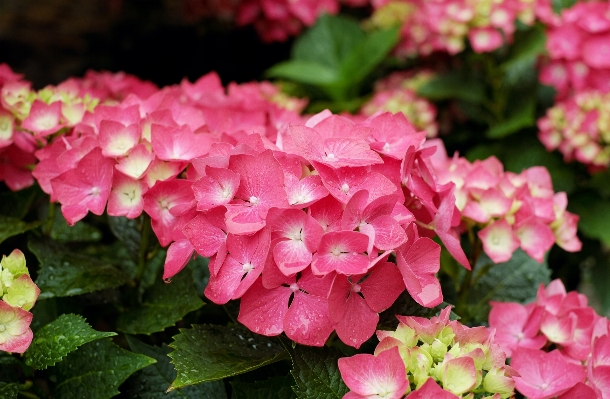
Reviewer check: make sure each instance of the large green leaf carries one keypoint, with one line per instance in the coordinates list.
(212, 352)
(454, 86)
(10, 227)
(594, 213)
(66, 273)
(273, 388)
(514, 281)
(329, 41)
(163, 305)
(96, 370)
(127, 231)
(368, 54)
(153, 381)
(316, 372)
(304, 71)
(58, 338)
(528, 46)
(80, 232)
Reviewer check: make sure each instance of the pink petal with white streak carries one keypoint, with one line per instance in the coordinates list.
(499, 241)
(117, 139)
(341, 251)
(216, 188)
(178, 143)
(126, 197)
(43, 118)
(136, 163)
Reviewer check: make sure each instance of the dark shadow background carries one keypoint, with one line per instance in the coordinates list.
(158, 40)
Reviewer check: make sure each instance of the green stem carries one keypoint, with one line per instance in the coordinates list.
(48, 226)
(144, 242)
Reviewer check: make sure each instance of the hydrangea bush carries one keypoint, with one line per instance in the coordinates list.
(379, 221)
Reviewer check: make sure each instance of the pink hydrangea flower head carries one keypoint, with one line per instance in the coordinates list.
(369, 376)
(544, 375)
(15, 332)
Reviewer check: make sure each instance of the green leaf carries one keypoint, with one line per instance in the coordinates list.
(80, 232)
(514, 281)
(368, 54)
(153, 381)
(128, 232)
(594, 215)
(273, 388)
(16, 204)
(559, 5)
(329, 41)
(304, 71)
(58, 338)
(163, 305)
(316, 372)
(521, 116)
(8, 390)
(528, 46)
(212, 352)
(453, 86)
(66, 273)
(96, 370)
(10, 227)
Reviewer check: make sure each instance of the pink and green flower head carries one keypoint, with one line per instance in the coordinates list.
(15, 333)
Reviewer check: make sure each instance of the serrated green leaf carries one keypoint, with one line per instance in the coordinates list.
(329, 41)
(58, 338)
(316, 372)
(514, 281)
(96, 370)
(594, 213)
(66, 273)
(10, 227)
(211, 352)
(453, 86)
(367, 55)
(163, 305)
(304, 71)
(153, 381)
(9, 390)
(521, 116)
(274, 388)
(80, 232)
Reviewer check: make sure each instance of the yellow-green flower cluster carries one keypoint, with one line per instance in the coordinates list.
(462, 360)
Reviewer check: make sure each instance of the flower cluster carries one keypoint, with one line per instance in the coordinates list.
(30, 119)
(430, 358)
(18, 293)
(579, 127)
(301, 230)
(444, 25)
(577, 366)
(398, 93)
(512, 210)
(278, 20)
(578, 48)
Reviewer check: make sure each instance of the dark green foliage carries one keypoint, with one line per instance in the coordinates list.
(212, 352)
(153, 381)
(58, 338)
(96, 370)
